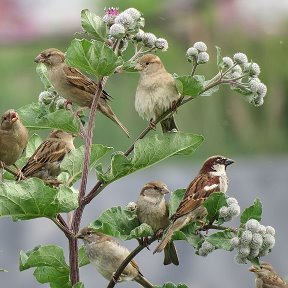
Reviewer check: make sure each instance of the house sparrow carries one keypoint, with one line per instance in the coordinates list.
(13, 138)
(267, 277)
(211, 178)
(107, 255)
(45, 162)
(153, 210)
(156, 91)
(71, 84)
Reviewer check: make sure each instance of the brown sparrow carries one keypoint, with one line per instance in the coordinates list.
(13, 138)
(71, 84)
(153, 210)
(267, 277)
(156, 91)
(107, 255)
(45, 162)
(211, 178)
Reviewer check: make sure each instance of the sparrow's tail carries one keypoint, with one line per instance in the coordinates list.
(143, 281)
(170, 254)
(107, 111)
(169, 125)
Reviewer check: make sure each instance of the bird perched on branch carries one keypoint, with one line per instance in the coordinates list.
(45, 162)
(156, 92)
(107, 255)
(210, 179)
(71, 84)
(13, 138)
(153, 210)
(267, 277)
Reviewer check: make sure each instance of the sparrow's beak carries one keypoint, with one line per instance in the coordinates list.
(39, 59)
(13, 117)
(228, 161)
(79, 236)
(138, 67)
(165, 190)
(253, 269)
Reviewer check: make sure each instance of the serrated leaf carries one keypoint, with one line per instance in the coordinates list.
(221, 239)
(48, 255)
(144, 230)
(82, 257)
(149, 151)
(46, 274)
(93, 24)
(33, 144)
(252, 212)
(93, 57)
(172, 285)
(210, 91)
(73, 162)
(118, 222)
(37, 116)
(31, 198)
(189, 85)
(219, 58)
(175, 199)
(129, 66)
(255, 261)
(213, 203)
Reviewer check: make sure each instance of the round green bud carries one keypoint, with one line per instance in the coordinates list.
(202, 58)
(208, 247)
(235, 242)
(149, 40)
(262, 230)
(262, 90)
(191, 52)
(161, 44)
(246, 238)
(117, 31)
(252, 225)
(255, 69)
(60, 103)
(244, 251)
(228, 62)
(124, 19)
(46, 97)
(134, 13)
(240, 58)
(268, 241)
(200, 46)
(270, 230)
(223, 212)
(231, 200)
(234, 209)
(139, 36)
(202, 252)
(257, 241)
(239, 259)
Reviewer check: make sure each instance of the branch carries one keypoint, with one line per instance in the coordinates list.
(65, 229)
(217, 227)
(127, 260)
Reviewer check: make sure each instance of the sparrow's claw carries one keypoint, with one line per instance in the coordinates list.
(159, 233)
(152, 125)
(53, 182)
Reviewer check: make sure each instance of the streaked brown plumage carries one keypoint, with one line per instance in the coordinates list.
(71, 84)
(107, 255)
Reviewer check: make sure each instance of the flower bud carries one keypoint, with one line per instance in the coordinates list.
(262, 90)
(124, 19)
(235, 242)
(45, 97)
(237, 68)
(254, 85)
(255, 69)
(202, 252)
(244, 251)
(252, 225)
(149, 39)
(117, 31)
(234, 210)
(202, 58)
(132, 206)
(200, 46)
(191, 52)
(254, 253)
(257, 241)
(270, 230)
(223, 212)
(268, 241)
(262, 230)
(240, 58)
(208, 247)
(60, 103)
(231, 200)
(110, 15)
(134, 13)
(139, 35)
(246, 238)
(239, 259)
(264, 252)
(228, 62)
(161, 44)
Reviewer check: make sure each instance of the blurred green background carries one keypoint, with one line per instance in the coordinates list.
(229, 124)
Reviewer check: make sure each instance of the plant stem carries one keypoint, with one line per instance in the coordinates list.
(73, 260)
(127, 260)
(218, 227)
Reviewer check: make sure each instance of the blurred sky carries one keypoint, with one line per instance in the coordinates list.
(255, 137)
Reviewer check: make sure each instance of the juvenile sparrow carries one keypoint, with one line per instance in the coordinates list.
(13, 138)
(267, 277)
(153, 210)
(156, 91)
(107, 255)
(71, 84)
(211, 178)
(45, 162)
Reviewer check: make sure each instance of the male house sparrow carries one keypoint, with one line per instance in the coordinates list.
(107, 255)
(71, 84)
(45, 162)
(156, 91)
(152, 209)
(13, 138)
(211, 178)
(267, 277)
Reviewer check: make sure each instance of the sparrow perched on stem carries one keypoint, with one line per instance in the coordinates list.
(210, 179)
(153, 210)
(13, 138)
(156, 91)
(267, 277)
(107, 255)
(45, 162)
(71, 84)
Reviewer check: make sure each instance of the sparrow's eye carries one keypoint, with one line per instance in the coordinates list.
(89, 232)
(147, 63)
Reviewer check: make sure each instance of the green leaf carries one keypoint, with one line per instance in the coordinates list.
(46, 274)
(129, 66)
(82, 257)
(121, 223)
(93, 24)
(48, 255)
(31, 198)
(149, 151)
(189, 85)
(175, 199)
(210, 91)
(42, 72)
(255, 261)
(172, 285)
(79, 285)
(33, 143)
(252, 212)
(73, 162)
(37, 116)
(219, 58)
(221, 240)
(213, 203)
(93, 57)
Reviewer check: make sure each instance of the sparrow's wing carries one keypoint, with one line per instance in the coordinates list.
(48, 152)
(196, 193)
(273, 281)
(82, 82)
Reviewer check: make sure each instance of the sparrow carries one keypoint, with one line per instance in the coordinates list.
(153, 210)
(13, 138)
(71, 84)
(106, 255)
(156, 92)
(267, 277)
(45, 162)
(210, 179)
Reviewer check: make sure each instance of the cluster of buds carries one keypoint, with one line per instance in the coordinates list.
(255, 240)
(206, 248)
(51, 98)
(239, 68)
(198, 53)
(128, 24)
(229, 211)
